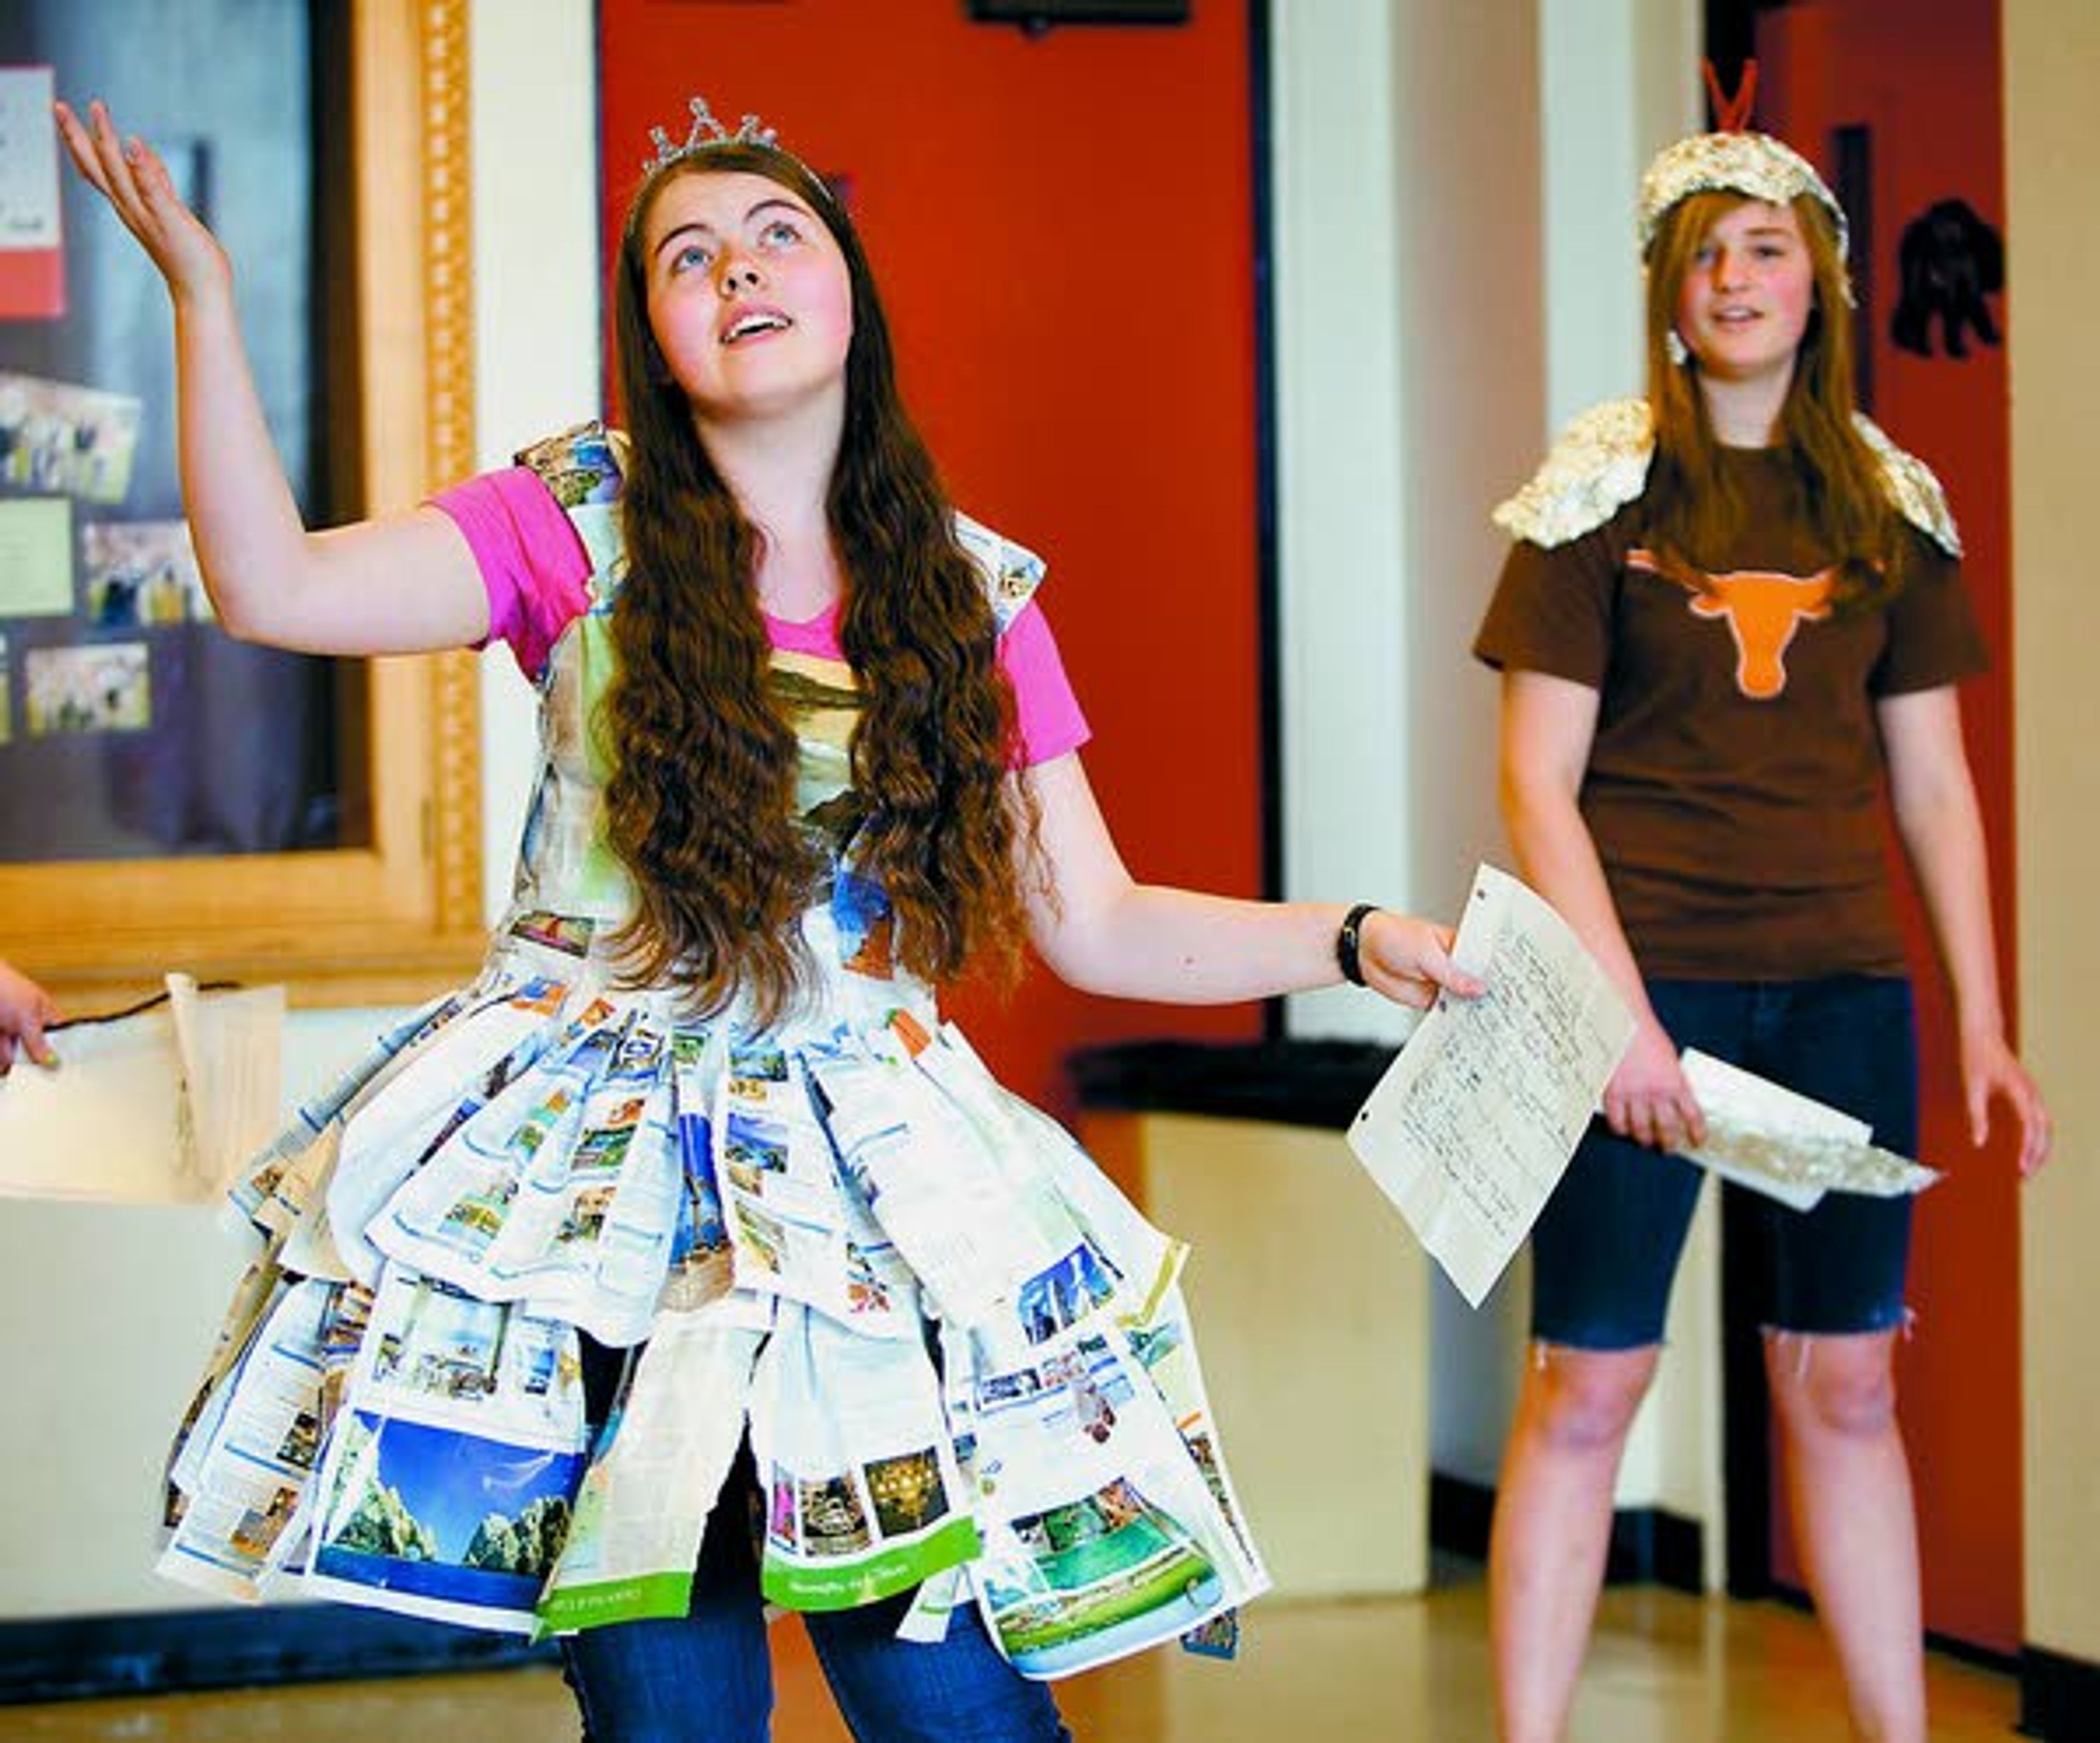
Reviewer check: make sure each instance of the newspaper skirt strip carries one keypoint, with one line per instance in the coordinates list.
(960, 1356)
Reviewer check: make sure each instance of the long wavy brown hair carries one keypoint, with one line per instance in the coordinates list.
(699, 805)
(1693, 513)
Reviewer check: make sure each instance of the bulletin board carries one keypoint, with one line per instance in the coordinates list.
(130, 724)
(171, 797)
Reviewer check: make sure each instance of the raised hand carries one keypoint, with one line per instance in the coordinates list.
(129, 174)
(401, 584)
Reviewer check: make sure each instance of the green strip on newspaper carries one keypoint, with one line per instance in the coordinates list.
(801, 1587)
(621, 1600)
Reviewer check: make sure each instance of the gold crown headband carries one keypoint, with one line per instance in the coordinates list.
(1733, 160)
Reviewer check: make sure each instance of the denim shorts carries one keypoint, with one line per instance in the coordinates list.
(1605, 1249)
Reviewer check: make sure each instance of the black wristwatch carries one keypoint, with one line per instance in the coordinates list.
(1349, 940)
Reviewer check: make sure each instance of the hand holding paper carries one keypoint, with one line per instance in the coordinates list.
(157, 1107)
(1785, 1145)
(1469, 1128)
(25, 1010)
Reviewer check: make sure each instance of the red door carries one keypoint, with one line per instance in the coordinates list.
(1899, 105)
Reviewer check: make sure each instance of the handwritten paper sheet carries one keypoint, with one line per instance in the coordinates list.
(1471, 1126)
(1785, 1146)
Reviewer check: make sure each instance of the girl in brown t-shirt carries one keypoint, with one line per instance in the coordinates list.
(1732, 617)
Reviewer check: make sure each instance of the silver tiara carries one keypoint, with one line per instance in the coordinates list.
(707, 133)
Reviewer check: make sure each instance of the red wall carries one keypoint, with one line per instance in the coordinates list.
(1061, 228)
(1926, 80)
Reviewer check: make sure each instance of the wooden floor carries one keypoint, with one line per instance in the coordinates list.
(1664, 1667)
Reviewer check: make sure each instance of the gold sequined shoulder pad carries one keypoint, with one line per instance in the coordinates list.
(1012, 573)
(1598, 465)
(1912, 487)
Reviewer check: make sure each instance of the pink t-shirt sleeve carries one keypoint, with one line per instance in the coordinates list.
(1045, 709)
(532, 564)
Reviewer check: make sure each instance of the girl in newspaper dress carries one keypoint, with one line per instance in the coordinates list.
(886, 1347)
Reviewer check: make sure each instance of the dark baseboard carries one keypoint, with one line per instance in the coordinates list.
(1460, 1514)
(2059, 1697)
(163, 1651)
(1288, 1082)
(1649, 1545)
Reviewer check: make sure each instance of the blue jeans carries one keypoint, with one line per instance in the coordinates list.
(706, 1677)
(1605, 1250)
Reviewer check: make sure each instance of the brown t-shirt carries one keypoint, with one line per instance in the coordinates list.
(1734, 788)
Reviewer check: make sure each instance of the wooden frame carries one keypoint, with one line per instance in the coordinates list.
(392, 921)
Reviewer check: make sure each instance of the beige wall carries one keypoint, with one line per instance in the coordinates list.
(1406, 159)
(1403, 137)
(2052, 168)
(107, 1314)
(1455, 276)
(533, 63)
(1313, 1309)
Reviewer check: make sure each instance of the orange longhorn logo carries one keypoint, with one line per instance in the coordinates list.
(1763, 607)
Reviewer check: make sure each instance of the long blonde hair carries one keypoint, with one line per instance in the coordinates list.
(1693, 513)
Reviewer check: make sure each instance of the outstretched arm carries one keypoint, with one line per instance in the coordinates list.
(1548, 726)
(25, 1007)
(1101, 931)
(405, 584)
(1936, 814)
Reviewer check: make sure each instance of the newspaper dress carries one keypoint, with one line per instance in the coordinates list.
(961, 1357)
